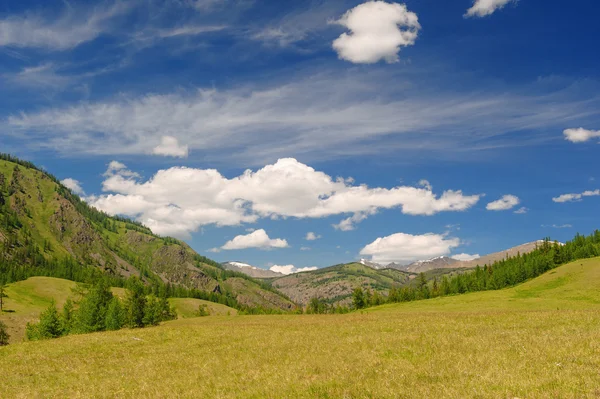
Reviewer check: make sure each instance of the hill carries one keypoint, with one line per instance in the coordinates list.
(27, 299)
(498, 256)
(335, 284)
(47, 230)
(503, 344)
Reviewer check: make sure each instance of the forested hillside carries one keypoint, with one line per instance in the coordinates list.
(46, 230)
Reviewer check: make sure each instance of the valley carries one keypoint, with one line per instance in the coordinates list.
(537, 340)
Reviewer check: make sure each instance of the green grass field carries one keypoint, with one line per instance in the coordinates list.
(538, 340)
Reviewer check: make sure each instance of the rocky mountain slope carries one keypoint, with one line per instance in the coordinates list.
(335, 284)
(47, 230)
(440, 262)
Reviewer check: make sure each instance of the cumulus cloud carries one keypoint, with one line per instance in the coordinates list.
(521, 211)
(290, 269)
(179, 200)
(257, 239)
(377, 31)
(170, 147)
(504, 203)
(310, 236)
(575, 197)
(406, 248)
(465, 257)
(73, 185)
(482, 8)
(580, 135)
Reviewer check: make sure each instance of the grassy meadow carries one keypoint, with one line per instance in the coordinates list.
(538, 340)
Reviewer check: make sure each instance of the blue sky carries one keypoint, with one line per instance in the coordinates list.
(386, 129)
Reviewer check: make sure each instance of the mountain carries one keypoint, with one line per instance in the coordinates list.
(370, 264)
(497, 256)
(335, 284)
(440, 262)
(46, 230)
(250, 270)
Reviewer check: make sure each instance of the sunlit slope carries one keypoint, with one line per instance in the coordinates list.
(188, 307)
(572, 286)
(27, 299)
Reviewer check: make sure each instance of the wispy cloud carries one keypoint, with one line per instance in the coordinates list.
(68, 30)
(333, 114)
(558, 226)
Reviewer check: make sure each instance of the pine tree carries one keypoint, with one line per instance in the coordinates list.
(68, 316)
(3, 334)
(2, 295)
(115, 315)
(358, 298)
(49, 326)
(136, 303)
(91, 315)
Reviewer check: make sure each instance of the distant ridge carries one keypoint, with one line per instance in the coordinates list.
(498, 256)
(250, 270)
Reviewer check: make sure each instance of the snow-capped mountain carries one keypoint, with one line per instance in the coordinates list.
(250, 270)
(370, 264)
(439, 262)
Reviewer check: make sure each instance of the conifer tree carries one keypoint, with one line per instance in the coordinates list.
(49, 326)
(91, 315)
(3, 334)
(136, 303)
(115, 315)
(2, 295)
(358, 298)
(68, 316)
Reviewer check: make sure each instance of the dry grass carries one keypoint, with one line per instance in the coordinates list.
(461, 347)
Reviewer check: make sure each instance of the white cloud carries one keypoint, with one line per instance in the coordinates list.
(425, 184)
(406, 248)
(580, 135)
(179, 200)
(170, 147)
(521, 211)
(305, 248)
(257, 239)
(465, 257)
(349, 224)
(377, 31)
(73, 185)
(290, 269)
(66, 31)
(482, 8)
(310, 236)
(319, 116)
(504, 203)
(575, 197)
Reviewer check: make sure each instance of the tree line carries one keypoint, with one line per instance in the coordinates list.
(500, 274)
(97, 309)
